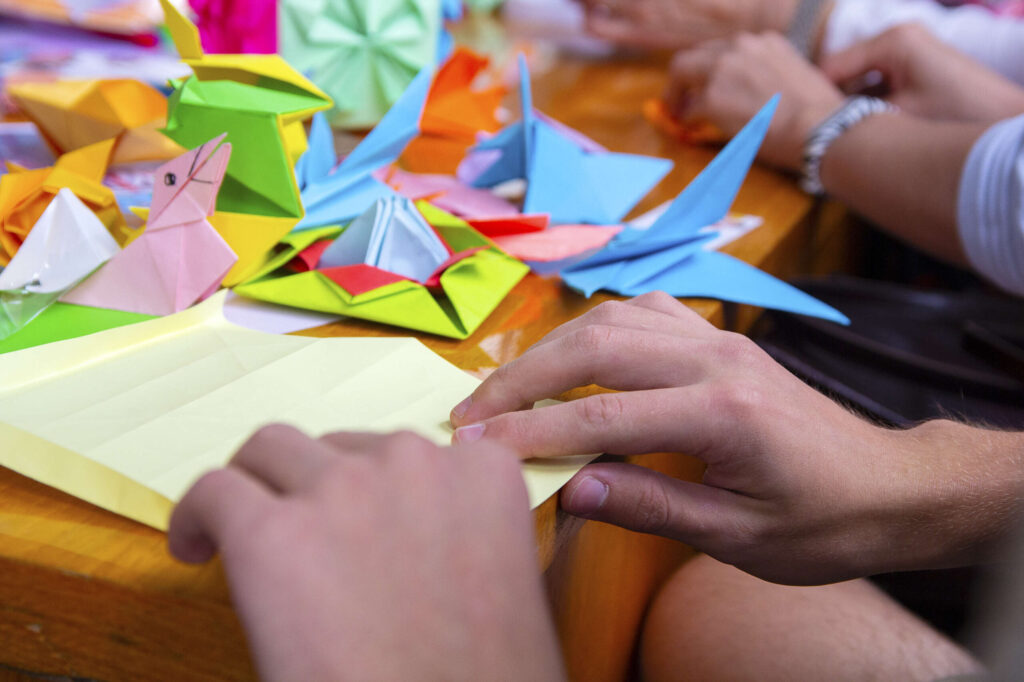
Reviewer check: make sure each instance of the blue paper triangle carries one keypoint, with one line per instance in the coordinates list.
(709, 274)
(708, 198)
(340, 196)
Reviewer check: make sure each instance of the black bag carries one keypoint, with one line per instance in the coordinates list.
(908, 355)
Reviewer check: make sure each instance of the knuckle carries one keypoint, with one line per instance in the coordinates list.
(658, 298)
(610, 312)
(593, 338)
(602, 410)
(738, 400)
(651, 513)
(270, 434)
(732, 349)
(407, 442)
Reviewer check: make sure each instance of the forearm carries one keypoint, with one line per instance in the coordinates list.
(952, 493)
(904, 173)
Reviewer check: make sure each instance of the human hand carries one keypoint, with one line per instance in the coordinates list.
(679, 24)
(928, 78)
(797, 489)
(726, 82)
(361, 556)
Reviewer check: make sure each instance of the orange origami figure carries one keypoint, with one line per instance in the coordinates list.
(74, 114)
(25, 194)
(453, 115)
(688, 131)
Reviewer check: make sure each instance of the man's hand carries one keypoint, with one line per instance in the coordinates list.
(727, 81)
(928, 78)
(680, 24)
(797, 489)
(367, 557)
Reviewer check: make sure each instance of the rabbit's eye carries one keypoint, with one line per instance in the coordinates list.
(170, 179)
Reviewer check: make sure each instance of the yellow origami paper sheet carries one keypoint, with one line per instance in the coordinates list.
(129, 418)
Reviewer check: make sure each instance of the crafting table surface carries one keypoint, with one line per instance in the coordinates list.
(84, 592)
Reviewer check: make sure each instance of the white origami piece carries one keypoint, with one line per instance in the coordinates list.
(66, 244)
(392, 235)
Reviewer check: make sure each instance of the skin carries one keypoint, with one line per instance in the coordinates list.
(900, 170)
(365, 557)
(682, 24)
(797, 490)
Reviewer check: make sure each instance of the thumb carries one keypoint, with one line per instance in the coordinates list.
(645, 501)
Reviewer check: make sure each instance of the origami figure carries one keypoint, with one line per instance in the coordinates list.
(75, 114)
(392, 236)
(453, 300)
(454, 114)
(237, 26)
(336, 197)
(180, 258)
(669, 255)
(25, 194)
(65, 245)
(364, 54)
(566, 177)
(260, 102)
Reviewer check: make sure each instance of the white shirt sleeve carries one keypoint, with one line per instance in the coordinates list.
(990, 205)
(996, 41)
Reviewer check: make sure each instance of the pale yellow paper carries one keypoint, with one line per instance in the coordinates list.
(129, 418)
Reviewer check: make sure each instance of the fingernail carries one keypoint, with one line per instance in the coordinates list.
(587, 497)
(460, 409)
(468, 434)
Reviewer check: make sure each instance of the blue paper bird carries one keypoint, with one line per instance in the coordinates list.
(570, 183)
(670, 256)
(338, 197)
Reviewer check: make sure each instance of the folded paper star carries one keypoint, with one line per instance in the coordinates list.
(65, 245)
(180, 258)
(337, 197)
(75, 114)
(25, 194)
(670, 255)
(567, 178)
(455, 300)
(364, 54)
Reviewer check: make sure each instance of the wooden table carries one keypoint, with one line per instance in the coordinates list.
(86, 593)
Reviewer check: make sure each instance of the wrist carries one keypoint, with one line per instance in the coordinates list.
(948, 494)
(820, 140)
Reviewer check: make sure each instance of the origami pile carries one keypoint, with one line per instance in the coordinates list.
(256, 206)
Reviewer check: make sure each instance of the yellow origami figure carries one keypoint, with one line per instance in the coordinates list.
(75, 114)
(260, 102)
(25, 194)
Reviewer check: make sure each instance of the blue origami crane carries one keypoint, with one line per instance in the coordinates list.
(670, 255)
(572, 184)
(338, 197)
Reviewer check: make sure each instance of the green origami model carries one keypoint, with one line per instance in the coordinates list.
(472, 287)
(259, 179)
(363, 53)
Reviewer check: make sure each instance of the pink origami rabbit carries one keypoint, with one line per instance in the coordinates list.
(180, 258)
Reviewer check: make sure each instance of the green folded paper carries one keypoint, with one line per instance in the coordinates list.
(472, 287)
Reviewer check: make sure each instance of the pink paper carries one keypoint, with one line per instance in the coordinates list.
(447, 193)
(180, 258)
(557, 243)
(237, 26)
